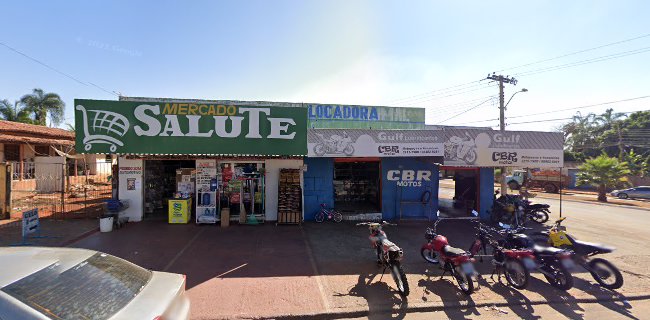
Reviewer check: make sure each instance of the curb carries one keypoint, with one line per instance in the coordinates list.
(81, 236)
(598, 203)
(358, 313)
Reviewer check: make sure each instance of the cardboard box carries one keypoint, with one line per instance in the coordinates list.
(225, 217)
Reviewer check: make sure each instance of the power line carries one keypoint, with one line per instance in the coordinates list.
(55, 69)
(564, 109)
(470, 109)
(583, 62)
(557, 119)
(437, 90)
(576, 52)
(536, 62)
(444, 94)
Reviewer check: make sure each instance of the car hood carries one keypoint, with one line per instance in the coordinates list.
(20, 262)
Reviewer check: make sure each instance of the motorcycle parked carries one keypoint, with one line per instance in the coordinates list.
(507, 209)
(555, 264)
(514, 264)
(603, 271)
(458, 262)
(389, 254)
(538, 212)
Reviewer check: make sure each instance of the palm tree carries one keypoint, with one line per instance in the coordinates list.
(608, 117)
(602, 172)
(42, 104)
(578, 133)
(14, 112)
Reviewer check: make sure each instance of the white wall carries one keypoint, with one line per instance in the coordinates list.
(98, 165)
(135, 197)
(272, 168)
(48, 172)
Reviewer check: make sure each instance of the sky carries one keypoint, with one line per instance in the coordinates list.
(376, 52)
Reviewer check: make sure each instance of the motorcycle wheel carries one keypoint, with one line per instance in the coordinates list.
(349, 150)
(400, 279)
(319, 149)
(471, 156)
(338, 217)
(539, 216)
(563, 278)
(319, 217)
(429, 255)
(516, 273)
(465, 282)
(603, 270)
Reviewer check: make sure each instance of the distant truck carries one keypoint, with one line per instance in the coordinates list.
(550, 181)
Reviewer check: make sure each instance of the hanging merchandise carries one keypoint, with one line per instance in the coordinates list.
(206, 187)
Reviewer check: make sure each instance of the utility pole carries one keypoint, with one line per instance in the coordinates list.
(502, 116)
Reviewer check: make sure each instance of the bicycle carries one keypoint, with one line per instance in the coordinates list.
(331, 214)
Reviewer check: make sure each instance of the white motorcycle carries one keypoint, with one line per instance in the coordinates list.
(461, 148)
(334, 145)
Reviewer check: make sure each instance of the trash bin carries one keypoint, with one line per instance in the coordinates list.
(106, 224)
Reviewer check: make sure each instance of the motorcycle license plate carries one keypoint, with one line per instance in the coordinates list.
(568, 263)
(529, 264)
(467, 268)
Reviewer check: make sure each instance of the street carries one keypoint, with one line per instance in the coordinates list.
(328, 271)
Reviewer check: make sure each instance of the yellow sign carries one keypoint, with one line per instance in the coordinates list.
(179, 210)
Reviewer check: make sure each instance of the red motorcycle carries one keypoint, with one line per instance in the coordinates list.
(514, 264)
(458, 262)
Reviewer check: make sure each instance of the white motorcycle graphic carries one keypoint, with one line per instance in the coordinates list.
(334, 145)
(103, 122)
(459, 148)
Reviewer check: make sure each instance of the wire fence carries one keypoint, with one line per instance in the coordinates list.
(60, 191)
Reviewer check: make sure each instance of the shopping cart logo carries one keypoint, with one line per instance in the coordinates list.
(105, 127)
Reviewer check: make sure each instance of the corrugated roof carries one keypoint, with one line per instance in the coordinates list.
(20, 129)
(7, 138)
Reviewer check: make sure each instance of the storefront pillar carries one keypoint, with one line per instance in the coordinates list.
(409, 188)
(486, 192)
(318, 185)
(131, 172)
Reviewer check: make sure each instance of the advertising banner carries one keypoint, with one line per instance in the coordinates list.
(188, 128)
(374, 143)
(364, 117)
(491, 148)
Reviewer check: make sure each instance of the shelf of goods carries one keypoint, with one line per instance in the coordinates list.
(289, 197)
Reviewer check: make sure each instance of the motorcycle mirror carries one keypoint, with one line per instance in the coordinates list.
(475, 213)
(505, 226)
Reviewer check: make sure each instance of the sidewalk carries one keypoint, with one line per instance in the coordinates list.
(55, 233)
(326, 271)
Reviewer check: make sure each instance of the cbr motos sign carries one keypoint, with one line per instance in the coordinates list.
(188, 128)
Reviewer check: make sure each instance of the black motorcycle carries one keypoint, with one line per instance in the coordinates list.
(555, 264)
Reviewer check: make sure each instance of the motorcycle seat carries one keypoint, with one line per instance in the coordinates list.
(589, 247)
(538, 206)
(453, 252)
(546, 250)
(388, 244)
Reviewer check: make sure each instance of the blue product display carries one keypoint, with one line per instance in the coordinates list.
(206, 199)
(213, 184)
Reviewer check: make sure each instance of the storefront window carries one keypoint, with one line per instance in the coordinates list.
(356, 187)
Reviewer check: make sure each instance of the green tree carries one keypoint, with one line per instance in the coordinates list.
(602, 172)
(14, 112)
(42, 104)
(636, 163)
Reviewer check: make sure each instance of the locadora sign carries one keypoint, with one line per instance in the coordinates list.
(364, 117)
(188, 128)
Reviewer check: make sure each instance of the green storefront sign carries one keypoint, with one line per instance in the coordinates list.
(188, 128)
(322, 116)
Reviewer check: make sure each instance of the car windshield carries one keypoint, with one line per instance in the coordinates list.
(96, 288)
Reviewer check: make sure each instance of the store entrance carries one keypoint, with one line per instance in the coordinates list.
(357, 186)
(459, 191)
(161, 183)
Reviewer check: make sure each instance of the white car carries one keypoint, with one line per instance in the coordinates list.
(66, 283)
